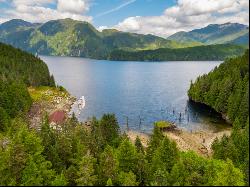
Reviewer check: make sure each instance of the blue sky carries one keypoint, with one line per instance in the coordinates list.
(135, 8)
(159, 17)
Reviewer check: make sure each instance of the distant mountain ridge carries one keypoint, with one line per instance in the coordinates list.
(69, 37)
(233, 33)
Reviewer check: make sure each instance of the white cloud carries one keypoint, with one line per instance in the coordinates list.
(40, 11)
(32, 2)
(101, 28)
(73, 6)
(131, 23)
(188, 15)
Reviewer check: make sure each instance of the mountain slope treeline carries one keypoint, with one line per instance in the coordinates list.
(199, 53)
(18, 70)
(226, 89)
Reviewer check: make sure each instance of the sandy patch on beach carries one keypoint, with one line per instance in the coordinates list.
(199, 142)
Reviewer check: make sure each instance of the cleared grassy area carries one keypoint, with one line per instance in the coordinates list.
(45, 93)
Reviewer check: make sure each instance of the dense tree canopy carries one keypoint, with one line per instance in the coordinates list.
(17, 65)
(18, 70)
(210, 52)
(52, 157)
(226, 89)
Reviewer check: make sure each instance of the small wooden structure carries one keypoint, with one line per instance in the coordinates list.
(57, 117)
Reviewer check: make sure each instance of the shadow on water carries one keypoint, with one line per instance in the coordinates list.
(201, 113)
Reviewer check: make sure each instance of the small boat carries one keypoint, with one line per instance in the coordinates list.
(81, 103)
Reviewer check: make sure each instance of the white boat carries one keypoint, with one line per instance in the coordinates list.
(81, 103)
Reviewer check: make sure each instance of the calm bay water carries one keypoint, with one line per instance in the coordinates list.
(151, 91)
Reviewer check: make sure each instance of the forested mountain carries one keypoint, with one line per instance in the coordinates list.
(226, 89)
(210, 52)
(215, 34)
(15, 25)
(68, 37)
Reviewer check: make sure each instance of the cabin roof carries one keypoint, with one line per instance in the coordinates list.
(57, 117)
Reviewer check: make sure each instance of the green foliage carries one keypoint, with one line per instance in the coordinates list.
(17, 65)
(55, 158)
(154, 142)
(14, 98)
(22, 162)
(127, 156)
(86, 176)
(4, 120)
(166, 155)
(109, 128)
(60, 180)
(18, 70)
(127, 179)
(229, 176)
(108, 166)
(109, 182)
(138, 145)
(226, 89)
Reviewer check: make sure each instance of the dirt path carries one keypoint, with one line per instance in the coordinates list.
(200, 141)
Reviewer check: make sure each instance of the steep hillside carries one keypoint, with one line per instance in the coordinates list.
(17, 65)
(214, 34)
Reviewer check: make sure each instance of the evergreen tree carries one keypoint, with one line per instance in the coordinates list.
(154, 142)
(60, 180)
(139, 145)
(109, 128)
(108, 166)
(86, 173)
(127, 156)
(229, 176)
(165, 156)
(127, 179)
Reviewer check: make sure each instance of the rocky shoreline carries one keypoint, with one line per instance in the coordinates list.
(198, 141)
